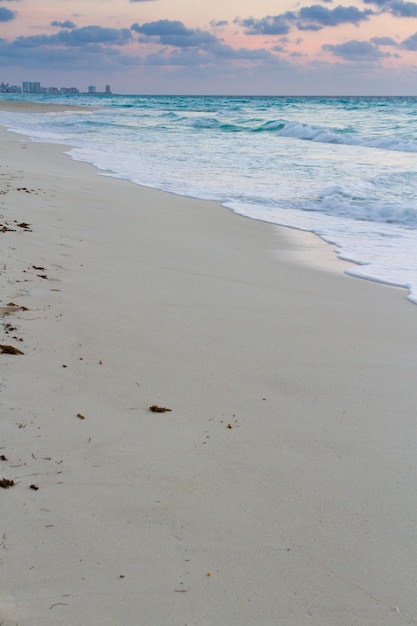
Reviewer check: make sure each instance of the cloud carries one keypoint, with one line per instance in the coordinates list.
(66, 24)
(384, 41)
(174, 33)
(94, 34)
(94, 37)
(314, 17)
(379, 3)
(410, 43)
(404, 9)
(398, 8)
(269, 25)
(6, 15)
(189, 57)
(219, 23)
(193, 47)
(355, 50)
(47, 51)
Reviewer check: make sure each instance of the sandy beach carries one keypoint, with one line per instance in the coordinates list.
(280, 487)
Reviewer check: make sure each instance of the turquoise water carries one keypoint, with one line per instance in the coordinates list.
(344, 168)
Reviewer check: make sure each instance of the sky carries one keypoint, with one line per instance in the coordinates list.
(270, 47)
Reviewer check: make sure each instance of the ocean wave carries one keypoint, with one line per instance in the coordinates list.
(307, 132)
(298, 130)
(337, 202)
(212, 123)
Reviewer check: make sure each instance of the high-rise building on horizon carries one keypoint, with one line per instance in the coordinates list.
(29, 87)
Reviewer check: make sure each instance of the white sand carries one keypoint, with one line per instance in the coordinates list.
(303, 513)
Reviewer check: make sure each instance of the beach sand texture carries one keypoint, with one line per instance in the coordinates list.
(280, 489)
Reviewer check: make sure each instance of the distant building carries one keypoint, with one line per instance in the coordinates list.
(6, 88)
(31, 87)
(92, 89)
(69, 90)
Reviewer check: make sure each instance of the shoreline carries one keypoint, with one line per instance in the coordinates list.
(277, 489)
(311, 251)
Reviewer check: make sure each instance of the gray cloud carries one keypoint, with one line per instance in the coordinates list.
(410, 43)
(189, 57)
(194, 47)
(269, 25)
(398, 8)
(6, 15)
(66, 24)
(384, 41)
(314, 17)
(174, 33)
(218, 23)
(404, 9)
(94, 34)
(355, 50)
(379, 3)
(93, 37)
(91, 57)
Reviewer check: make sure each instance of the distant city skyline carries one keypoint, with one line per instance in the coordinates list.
(271, 47)
(37, 87)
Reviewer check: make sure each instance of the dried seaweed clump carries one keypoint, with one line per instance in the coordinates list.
(9, 350)
(158, 409)
(5, 483)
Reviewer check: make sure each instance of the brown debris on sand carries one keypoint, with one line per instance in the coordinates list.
(4, 349)
(25, 226)
(11, 307)
(158, 409)
(5, 228)
(17, 307)
(5, 483)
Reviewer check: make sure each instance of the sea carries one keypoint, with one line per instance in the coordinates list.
(344, 168)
